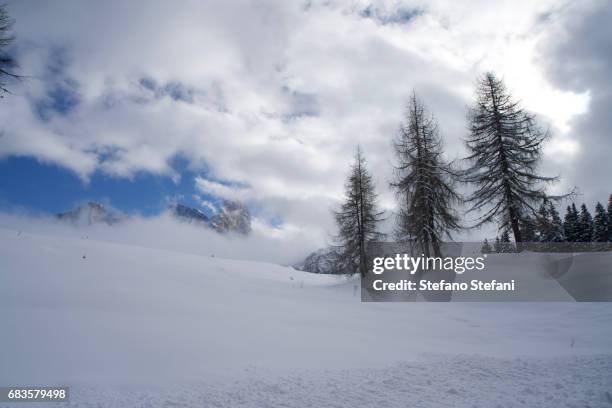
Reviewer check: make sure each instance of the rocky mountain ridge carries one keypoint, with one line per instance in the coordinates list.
(232, 217)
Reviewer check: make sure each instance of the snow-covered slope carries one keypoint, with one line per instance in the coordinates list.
(96, 315)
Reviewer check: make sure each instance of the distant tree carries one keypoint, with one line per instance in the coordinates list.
(497, 246)
(486, 247)
(585, 225)
(423, 181)
(505, 146)
(543, 226)
(528, 228)
(610, 219)
(600, 224)
(7, 61)
(358, 217)
(505, 245)
(571, 224)
(556, 233)
(549, 227)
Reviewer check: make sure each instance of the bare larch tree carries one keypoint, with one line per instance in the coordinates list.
(505, 146)
(358, 217)
(423, 181)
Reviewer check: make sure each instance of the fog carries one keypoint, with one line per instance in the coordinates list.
(283, 245)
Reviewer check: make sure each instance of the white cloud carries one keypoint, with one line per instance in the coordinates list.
(222, 190)
(205, 204)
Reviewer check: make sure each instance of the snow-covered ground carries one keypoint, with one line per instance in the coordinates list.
(128, 326)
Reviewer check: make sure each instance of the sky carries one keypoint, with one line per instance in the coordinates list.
(142, 104)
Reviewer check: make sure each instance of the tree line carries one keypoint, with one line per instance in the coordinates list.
(504, 146)
(578, 230)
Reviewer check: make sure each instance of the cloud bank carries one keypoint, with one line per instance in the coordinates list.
(272, 97)
(284, 245)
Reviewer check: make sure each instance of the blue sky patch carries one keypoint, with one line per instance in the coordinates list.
(46, 188)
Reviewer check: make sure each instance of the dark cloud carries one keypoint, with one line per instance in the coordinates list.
(582, 62)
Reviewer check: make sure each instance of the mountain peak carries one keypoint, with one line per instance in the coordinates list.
(234, 216)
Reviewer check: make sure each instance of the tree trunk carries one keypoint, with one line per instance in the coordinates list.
(512, 214)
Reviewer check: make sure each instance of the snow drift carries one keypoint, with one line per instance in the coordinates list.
(96, 315)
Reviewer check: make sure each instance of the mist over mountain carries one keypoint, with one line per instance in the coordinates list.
(89, 214)
(232, 217)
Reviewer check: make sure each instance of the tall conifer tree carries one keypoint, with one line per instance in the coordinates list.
(600, 224)
(556, 233)
(585, 223)
(571, 224)
(505, 146)
(358, 217)
(543, 224)
(424, 181)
